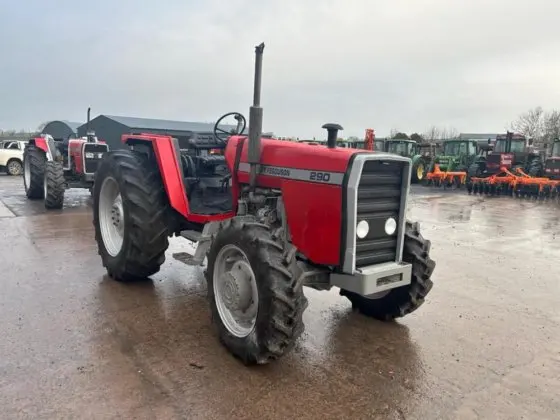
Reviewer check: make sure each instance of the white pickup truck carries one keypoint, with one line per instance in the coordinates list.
(11, 156)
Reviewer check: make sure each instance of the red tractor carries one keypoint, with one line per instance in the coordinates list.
(50, 166)
(552, 164)
(269, 217)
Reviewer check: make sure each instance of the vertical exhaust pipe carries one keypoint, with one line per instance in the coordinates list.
(255, 120)
(87, 124)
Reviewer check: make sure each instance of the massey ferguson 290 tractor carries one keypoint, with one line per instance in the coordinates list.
(51, 166)
(270, 217)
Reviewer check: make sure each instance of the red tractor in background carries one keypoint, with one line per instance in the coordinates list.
(51, 166)
(510, 151)
(552, 163)
(269, 217)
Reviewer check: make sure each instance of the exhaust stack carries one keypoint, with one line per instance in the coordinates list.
(255, 120)
(88, 118)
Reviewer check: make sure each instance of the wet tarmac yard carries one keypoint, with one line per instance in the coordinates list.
(485, 345)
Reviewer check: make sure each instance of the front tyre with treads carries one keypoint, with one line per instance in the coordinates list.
(256, 301)
(130, 211)
(54, 185)
(403, 300)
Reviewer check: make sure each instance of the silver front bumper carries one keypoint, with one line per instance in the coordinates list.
(374, 279)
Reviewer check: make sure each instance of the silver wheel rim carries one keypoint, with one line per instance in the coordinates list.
(26, 173)
(235, 291)
(14, 167)
(45, 185)
(111, 216)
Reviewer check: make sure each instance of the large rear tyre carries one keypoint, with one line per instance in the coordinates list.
(34, 160)
(54, 185)
(536, 168)
(403, 300)
(129, 215)
(257, 304)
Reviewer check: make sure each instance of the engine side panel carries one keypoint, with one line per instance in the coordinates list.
(311, 179)
(314, 217)
(75, 150)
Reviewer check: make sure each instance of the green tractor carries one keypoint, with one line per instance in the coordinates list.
(410, 149)
(457, 155)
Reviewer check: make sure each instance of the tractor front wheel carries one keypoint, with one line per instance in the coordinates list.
(418, 171)
(53, 185)
(403, 300)
(34, 161)
(257, 304)
(129, 215)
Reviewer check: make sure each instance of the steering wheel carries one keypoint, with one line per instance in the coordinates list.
(222, 135)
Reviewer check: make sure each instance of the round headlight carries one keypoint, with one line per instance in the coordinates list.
(362, 229)
(390, 226)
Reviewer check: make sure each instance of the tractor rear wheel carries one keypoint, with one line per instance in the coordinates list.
(129, 215)
(257, 304)
(475, 170)
(535, 168)
(53, 185)
(403, 300)
(34, 161)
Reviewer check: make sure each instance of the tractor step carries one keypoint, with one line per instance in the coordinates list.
(191, 235)
(186, 258)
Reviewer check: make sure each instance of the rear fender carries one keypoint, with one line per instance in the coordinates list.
(166, 152)
(167, 155)
(43, 144)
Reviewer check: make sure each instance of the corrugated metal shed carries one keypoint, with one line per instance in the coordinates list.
(478, 136)
(110, 128)
(163, 125)
(61, 129)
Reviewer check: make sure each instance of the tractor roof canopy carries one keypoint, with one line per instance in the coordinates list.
(400, 141)
(457, 147)
(401, 147)
(517, 145)
(556, 149)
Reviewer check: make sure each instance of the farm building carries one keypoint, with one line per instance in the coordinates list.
(110, 128)
(61, 129)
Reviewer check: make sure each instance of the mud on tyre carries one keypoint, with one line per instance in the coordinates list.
(403, 300)
(34, 160)
(130, 215)
(270, 322)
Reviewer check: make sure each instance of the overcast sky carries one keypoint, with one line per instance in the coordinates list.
(403, 64)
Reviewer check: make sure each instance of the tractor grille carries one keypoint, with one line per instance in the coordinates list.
(91, 164)
(379, 197)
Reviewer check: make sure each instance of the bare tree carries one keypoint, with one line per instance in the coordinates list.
(41, 126)
(530, 123)
(551, 126)
(449, 133)
(432, 133)
(393, 133)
